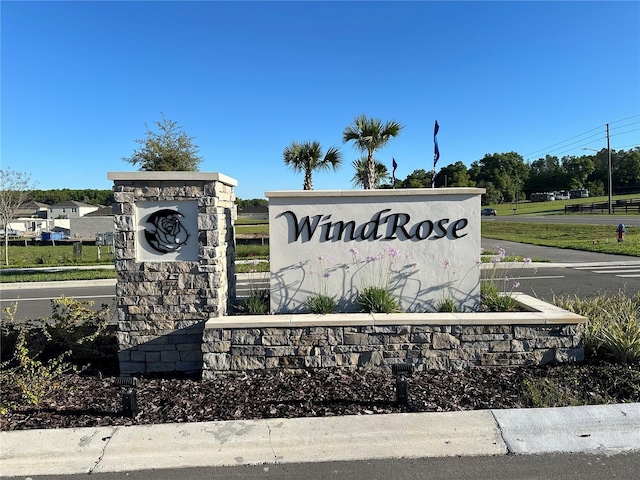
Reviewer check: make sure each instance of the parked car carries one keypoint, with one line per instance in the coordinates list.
(488, 212)
(11, 232)
(579, 193)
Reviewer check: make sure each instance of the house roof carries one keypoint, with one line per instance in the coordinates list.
(36, 205)
(72, 203)
(30, 208)
(101, 212)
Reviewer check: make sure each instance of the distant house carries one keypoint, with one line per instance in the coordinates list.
(70, 209)
(30, 218)
(32, 210)
(99, 221)
(254, 212)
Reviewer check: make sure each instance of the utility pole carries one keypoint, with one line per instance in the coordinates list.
(609, 178)
(609, 165)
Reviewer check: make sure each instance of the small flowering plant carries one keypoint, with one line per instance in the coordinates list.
(451, 287)
(447, 303)
(378, 276)
(257, 301)
(322, 302)
(497, 289)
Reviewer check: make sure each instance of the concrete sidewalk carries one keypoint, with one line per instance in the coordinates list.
(605, 429)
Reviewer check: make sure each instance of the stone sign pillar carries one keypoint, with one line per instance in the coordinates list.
(174, 256)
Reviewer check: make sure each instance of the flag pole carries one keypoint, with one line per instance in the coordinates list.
(393, 174)
(436, 153)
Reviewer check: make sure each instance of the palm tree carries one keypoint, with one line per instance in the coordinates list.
(359, 178)
(369, 135)
(307, 157)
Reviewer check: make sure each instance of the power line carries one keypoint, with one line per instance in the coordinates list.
(580, 139)
(559, 143)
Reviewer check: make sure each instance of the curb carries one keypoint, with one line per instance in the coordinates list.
(602, 429)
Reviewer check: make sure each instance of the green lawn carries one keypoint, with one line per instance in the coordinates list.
(21, 256)
(555, 207)
(592, 238)
(252, 229)
(36, 276)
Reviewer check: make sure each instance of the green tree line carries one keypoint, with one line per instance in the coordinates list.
(102, 197)
(87, 195)
(506, 176)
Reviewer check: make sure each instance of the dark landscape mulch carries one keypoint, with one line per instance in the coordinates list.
(89, 401)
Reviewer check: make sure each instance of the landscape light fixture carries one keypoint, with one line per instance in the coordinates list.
(401, 371)
(129, 398)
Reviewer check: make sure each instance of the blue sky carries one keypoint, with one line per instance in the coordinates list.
(81, 79)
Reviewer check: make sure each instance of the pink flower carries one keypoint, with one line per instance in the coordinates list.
(447, 263)
(527, 260)
(392, 252)
(353, 251)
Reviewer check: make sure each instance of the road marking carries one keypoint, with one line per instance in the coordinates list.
(629, 276)
(635, 270)
(35, 299)
(605, 267)
(523, 278)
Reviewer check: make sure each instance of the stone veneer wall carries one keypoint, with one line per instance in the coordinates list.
(162, 305)
(433, 341)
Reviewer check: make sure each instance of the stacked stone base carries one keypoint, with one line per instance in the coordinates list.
(163, 351)
(441, 347)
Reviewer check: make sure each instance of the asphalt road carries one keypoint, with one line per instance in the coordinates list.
(34, 300)
(503, 467)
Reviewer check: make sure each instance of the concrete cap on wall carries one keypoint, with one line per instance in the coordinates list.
(402, 192)
(172, 177)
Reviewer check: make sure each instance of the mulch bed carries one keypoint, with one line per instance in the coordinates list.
(89, 400)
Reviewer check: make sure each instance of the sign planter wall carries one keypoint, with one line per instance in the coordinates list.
(421, 245)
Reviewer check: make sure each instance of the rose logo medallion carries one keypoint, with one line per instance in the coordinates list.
(166, 233)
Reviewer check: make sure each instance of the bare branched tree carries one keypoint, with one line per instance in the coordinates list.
(14, 192)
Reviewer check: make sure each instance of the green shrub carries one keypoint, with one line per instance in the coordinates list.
(252, 251)
(321, 304)
(613, 323)
(35, 378)
(261, 267)
(257, 303)
(377, 300)
(621, 339)
(496, 301)
(74, 329)
(549, 392)
(447, 305)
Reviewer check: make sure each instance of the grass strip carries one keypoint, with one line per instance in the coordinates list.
(37, 276)
(590, 238)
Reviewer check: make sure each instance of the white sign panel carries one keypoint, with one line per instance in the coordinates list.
(167, 231)
(423, 245)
